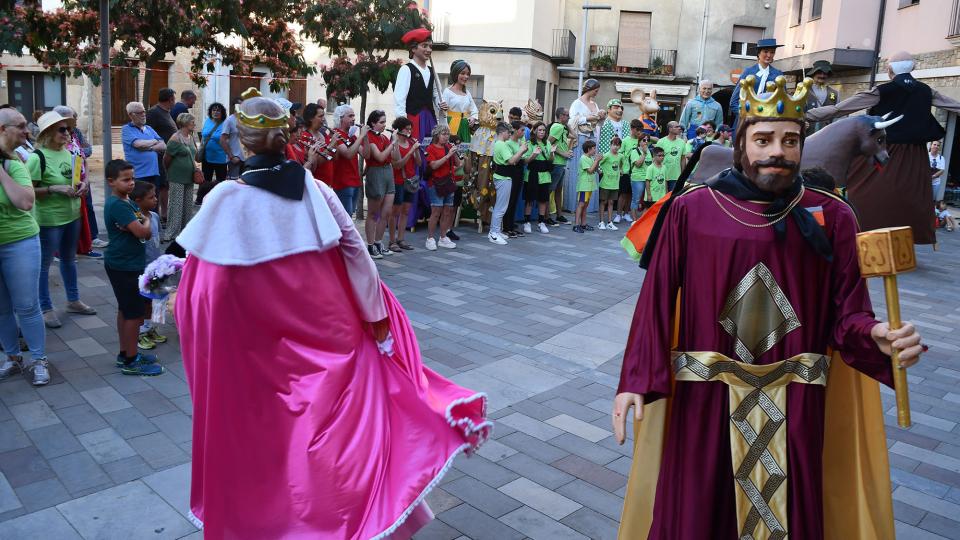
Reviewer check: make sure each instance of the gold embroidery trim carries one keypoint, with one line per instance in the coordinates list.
(758, 434)
(762, 275)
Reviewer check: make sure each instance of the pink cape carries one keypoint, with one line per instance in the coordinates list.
(302, 428)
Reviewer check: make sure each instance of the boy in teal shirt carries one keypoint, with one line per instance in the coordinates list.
(586, 184)
(656, 176)
(609, 182)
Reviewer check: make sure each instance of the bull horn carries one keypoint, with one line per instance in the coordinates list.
(884, 117)
(884, 124)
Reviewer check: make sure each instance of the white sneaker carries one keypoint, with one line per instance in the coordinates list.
(611, 227)
(526, 228)
(431, 244)
(616, 218)
(543, 228)
(602, 226)
(41, 374)
(383, 251)
(497, 239)
(100, 244)
(446, 243)
(628, 218)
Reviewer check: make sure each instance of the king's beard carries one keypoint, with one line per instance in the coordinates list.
(776, 184)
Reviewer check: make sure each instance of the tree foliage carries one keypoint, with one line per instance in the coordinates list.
(242, 35)
(369, 29)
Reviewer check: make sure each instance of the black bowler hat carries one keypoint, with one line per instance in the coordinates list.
(768, 43)
(822, 66)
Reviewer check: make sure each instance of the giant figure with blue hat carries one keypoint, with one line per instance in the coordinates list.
(762, 72)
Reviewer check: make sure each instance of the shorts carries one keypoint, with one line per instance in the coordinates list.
(436, 200)
(126, 288)
(608, 195)
(158, 181)
(584, 196)
(379, 181)
(556, 176)
(401, 195)
(625, 187)
(535, 191)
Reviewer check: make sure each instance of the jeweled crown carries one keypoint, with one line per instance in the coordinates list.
(261, 121)
(778, 104)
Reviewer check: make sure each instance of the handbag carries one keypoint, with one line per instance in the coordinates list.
(197, 176)
(444, 186)
(202, 151)
(411, 185)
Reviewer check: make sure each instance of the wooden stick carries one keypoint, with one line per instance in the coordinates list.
(899, 373)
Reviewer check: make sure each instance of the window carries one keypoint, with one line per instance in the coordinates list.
(816, 9)
(474, 86)
(797, 13)
(744, 43)
(908, 3)
(35, 90)
(633, 46)
(541, 93)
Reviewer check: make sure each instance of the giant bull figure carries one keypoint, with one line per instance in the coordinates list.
(832, 148)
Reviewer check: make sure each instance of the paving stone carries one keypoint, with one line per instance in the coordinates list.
(482, 497)
(926, 502)
(33, 415)
(585, 449)
(535, 448)
(24, 466)
(537, 471)
(81, 419)
(436, 530)
(105, 399)
(531, 426)
(54, 441)
(477, 525)
(440, 500)
(85, 347)
(125, 384)
(907, 513)
(533, 409)
(84, 379)
(539, 527)
(540, 498)
(591, 524)
(175, 425)
(8, 498)
(127, 469)
(12, 436)
(106, 445)
(130, 423)
(173, 486)
(484, 470)
(908, 532)
(591, 472)
(118, 513)
(47, 523)
(42, 494)
(169, 385)
(600, 500)
(158, 450)
(58, 396)
(495, 450)
(79, 472)
(578, 427)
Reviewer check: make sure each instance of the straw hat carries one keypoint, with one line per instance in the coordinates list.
(48, 120)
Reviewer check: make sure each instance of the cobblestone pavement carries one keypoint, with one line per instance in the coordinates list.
(539, 325)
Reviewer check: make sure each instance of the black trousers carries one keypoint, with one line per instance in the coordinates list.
(516, 186)
(209, 171)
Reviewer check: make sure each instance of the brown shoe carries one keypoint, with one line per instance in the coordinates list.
(80, 308)
(51, 320)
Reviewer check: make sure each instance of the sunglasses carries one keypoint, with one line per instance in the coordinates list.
(63, 129)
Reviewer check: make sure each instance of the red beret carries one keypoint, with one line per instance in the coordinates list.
(416, 36)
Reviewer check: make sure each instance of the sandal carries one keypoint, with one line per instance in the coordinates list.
(406, 246)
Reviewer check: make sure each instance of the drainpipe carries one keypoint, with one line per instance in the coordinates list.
(876, 46)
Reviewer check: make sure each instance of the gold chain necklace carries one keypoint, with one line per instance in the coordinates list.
(761, 214)
(779, 216)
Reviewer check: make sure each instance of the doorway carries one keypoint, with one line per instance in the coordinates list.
(31, 91)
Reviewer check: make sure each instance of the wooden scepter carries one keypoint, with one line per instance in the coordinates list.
(886, 253)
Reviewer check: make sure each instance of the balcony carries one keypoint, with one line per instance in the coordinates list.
(564, 46)
(657, 62)
(953, 34)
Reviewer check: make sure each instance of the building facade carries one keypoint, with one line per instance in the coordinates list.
(845, 33)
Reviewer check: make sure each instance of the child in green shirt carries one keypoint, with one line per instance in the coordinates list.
(609, 183)
(640, 158)
(626, 170)
(656, 176)
(586, 184)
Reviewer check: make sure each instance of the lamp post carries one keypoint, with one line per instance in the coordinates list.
(105, 86)
(583, 42)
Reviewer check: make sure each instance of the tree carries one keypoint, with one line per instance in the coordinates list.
(241, 34)
(368, 28)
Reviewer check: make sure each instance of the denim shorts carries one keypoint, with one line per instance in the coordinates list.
(556, 176)
(436, 200)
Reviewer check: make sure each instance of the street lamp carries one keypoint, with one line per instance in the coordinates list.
(583, 42)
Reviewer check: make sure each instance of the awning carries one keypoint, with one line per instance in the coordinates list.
(662, 89)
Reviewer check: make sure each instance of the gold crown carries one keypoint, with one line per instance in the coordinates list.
(779, 104)
(261, 121)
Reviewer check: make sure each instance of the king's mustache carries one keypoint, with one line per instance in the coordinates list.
(775, 162)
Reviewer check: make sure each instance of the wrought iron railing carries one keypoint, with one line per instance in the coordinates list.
(564, 46)
(661, 61)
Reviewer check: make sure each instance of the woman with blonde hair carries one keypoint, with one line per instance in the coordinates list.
(180, 162)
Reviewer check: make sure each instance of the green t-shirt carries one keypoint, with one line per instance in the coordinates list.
(586, 180)
(637, 172)
(673, 152)
(182, 165)
(628, 145)
(502, 152)
(126, 251)
(542, 177)
(610, 171)
(54, 209)
(559, 132)
(656, 181)
(15, 224)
